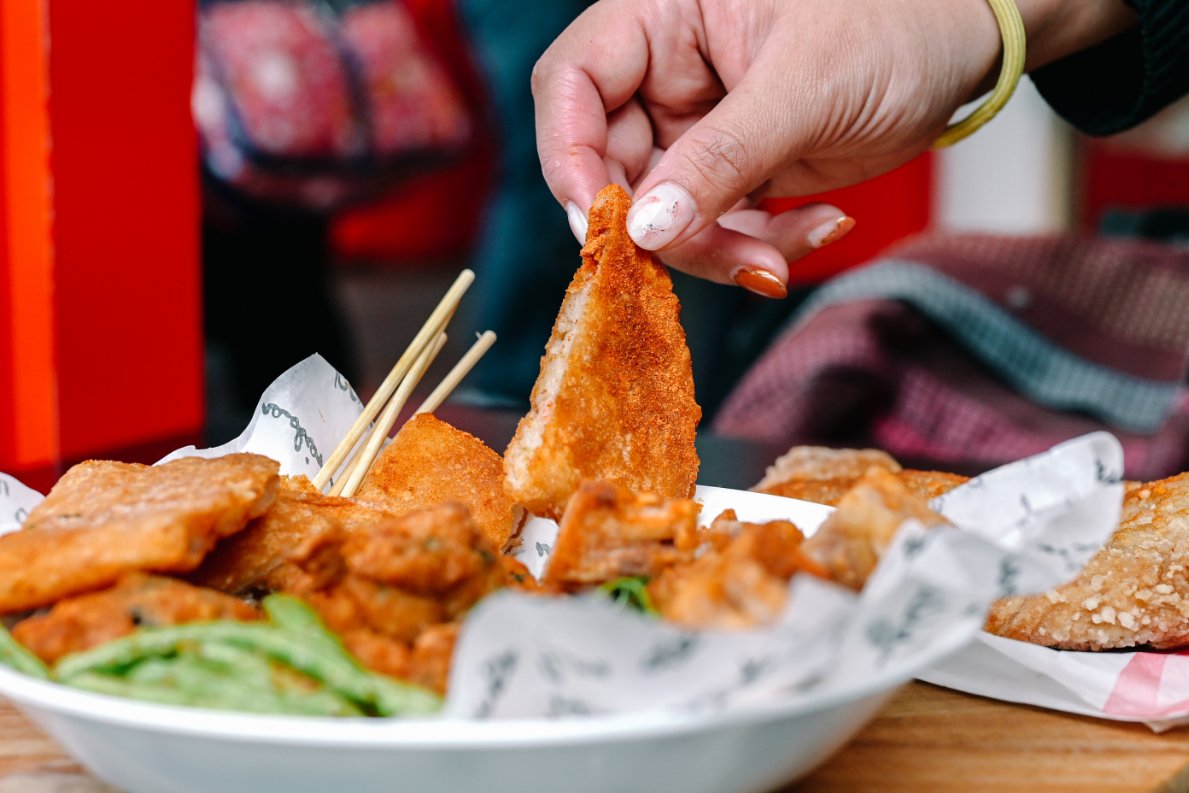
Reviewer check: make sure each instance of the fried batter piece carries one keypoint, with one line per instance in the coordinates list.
(104, 519)
(256, 560)
(853, 539)
(615, 397)
(823, 475)
(386, 590)
(608, 532)
(1133, 592)
(137, 600)
(739, 579)
(430, 461)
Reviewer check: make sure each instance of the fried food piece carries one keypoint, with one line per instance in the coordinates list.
(104, 519)
(1133, 592)
(853, 539)
(429, 462)
(823, 475)
(382, 590)
(608, 532)
(256, 560)
(615, 397)
(739, 581)
(85, 621)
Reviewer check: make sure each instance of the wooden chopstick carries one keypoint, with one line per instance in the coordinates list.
(388, 417)
(429, 331)
(460, 370)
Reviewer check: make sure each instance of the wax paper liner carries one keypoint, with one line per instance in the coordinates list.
(1023, 528)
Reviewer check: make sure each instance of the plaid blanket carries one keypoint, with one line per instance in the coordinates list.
(967, 351)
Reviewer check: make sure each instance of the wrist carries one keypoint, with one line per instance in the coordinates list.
(1058, 28)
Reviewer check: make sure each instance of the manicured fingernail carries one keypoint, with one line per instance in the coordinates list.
(761, 282)
(578, 222)
(659, 216)
(833, 231)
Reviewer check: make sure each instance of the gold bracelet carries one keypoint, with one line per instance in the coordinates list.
(1011, 27)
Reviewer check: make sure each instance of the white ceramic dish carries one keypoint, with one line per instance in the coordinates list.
(144, 748)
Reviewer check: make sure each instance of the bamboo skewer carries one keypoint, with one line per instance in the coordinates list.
(388, 417)
(429, 331)
(456, 375)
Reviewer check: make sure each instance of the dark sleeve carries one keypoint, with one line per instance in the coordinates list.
(1125, 80)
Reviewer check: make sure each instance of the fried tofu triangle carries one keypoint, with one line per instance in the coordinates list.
(104, 519)
(615, 397)
(85, 621)
(1133, 592)
(429, 462)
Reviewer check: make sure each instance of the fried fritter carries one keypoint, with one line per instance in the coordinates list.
(823, 475)
(384, 589)
(1134, 591)
(615, 397)
(608, 532)
(853, 539)
(429, 462)
(257, 558)
(104, 519)
(739, 581)
(85, 621)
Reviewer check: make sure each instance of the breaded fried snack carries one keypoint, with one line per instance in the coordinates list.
(137, 600)
(854, 538)
(1134, 591)
(256, 560)
(608, 532)
(615, 397)
(105, 519)
(430, 461)
(823, 475)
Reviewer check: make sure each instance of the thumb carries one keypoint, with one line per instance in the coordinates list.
(744, 140)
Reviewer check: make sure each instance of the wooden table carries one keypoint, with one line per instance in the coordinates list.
(927, 739)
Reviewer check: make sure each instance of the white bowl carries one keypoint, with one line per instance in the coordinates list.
(146, 748)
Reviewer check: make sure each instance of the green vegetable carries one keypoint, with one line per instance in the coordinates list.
(263, 666)
(632, 592)
(14, 654)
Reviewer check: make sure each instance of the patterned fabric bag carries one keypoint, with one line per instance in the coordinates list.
(311, 104)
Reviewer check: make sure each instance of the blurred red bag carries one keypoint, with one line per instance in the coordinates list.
(312, 104)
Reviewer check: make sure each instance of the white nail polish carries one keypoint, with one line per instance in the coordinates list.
(578, 222)
(833, 231)
(659, 216)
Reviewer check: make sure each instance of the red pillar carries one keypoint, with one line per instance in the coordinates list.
(100, 287)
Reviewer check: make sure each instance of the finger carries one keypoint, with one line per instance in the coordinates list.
(795, 232)
(591, 69)
(629, 141)
(749, 136)
(728, 257)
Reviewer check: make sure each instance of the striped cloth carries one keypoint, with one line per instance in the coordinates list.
(968, 351)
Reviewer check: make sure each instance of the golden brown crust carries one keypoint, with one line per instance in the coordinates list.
(430, 461)
(1134, 591)
(824, 475)
(608, 532)
(85, 621)
(739, 579)
(623, 410)
(257, 558)
(105, 519)
(854, 538)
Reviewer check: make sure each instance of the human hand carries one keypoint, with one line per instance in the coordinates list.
(701, 107)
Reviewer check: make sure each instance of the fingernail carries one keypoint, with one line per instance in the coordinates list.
(657, 218)
(833, 231)
(761, 282)
(578, 222)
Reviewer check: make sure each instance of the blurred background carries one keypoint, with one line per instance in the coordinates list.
(195, 197)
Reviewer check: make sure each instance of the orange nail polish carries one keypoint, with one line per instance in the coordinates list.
(761, 282)
(826, 233)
